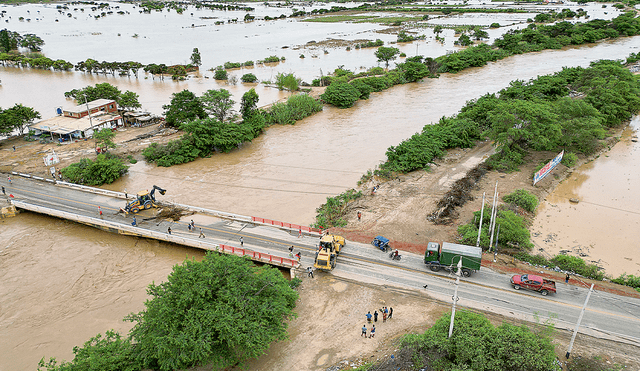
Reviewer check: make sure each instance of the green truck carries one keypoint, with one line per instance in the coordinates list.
(448, 255)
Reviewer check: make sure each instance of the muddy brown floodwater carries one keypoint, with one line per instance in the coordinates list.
(604, 227)
(63, 283)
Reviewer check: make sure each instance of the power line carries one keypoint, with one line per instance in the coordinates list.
(241, 186)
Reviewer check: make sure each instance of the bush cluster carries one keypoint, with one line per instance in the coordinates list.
(546, 117)
(566, 263)
(295, 108)
(513, 230)
(370, 44)
(478, 345)
(106, 169)
(522, 198)
(202, 137)
(331, 213)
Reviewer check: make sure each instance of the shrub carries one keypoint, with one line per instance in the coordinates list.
(229, 65)
(569, 159)
(220, 74)
(296, 108)
(522, 198)
(364, 88)
(341, 94)
(577, 265)
(495, 25)
(533, 259)
(287, 81)
(271, 59)
(249, 77)
(628, 280)
(513, 230)
(330, 214)
(106, 169)
(476, 344)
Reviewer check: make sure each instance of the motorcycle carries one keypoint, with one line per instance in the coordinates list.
(393, 256)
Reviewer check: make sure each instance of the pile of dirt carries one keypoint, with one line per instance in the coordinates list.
(457, 196)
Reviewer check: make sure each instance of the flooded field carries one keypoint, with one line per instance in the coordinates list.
(604, 227)
(63, 283)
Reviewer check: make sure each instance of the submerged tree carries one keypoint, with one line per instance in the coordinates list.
(386, 54)
(221, 312)
(184, 106)
(218, 103)
(196, 60)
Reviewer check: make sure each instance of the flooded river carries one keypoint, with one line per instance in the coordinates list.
(604, 227)
(63, 283)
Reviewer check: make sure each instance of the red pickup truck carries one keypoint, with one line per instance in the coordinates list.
(535, 283)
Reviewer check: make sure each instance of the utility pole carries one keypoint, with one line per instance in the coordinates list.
(481, 216)
(575, 331)
(493, 214)
(495, 248)
(455, 296)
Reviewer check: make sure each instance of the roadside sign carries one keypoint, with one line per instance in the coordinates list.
(546, 169)
(51, 159)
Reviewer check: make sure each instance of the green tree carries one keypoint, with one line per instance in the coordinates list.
(104, 170)
(249, 103)
(110, 352)
(524, 124)
(287, 81)
(217, 103)
(104, 138)
(31, 42)
(196, 59)
(219, 312)
(105, 90)
(477, 345)
(184, 106)
(220, 73)
(128, 101)
(386, 54)
(341, 94)
(249, 77)
(8, 40)
(17, 117)
(437, 30)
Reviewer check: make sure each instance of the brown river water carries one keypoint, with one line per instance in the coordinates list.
(63, 283)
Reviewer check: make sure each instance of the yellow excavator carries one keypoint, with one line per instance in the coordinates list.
(330, 246)
(144, 200)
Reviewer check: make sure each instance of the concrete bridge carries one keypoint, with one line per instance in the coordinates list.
(263, 240)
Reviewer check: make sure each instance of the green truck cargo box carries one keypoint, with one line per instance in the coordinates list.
(447, 256)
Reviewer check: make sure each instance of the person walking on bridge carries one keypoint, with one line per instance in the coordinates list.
(241, 242)
(134, 222)
(201, 234)
(169, 230)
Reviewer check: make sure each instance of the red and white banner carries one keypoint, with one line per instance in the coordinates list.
(546, 169)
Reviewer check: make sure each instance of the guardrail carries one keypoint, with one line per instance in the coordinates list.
(294, 227)
(142, 232)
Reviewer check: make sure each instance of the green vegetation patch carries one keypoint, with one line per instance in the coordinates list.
(523, 199)
(192, 319)
(513, 230)
(341, 18)
(331, 213)
(105, 169)
(478, 345)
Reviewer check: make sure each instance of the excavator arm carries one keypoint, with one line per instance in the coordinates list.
(153, 191)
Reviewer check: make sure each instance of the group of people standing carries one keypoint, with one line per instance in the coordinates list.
(387, 313)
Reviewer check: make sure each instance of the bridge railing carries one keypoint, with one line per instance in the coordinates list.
(294, 227)
(142, 232)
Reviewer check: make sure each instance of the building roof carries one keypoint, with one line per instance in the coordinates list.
(93, 104)
(65, 125)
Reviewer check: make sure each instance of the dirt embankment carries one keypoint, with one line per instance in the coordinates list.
(403, 208)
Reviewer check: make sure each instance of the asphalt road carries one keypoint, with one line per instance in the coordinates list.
(607, 315)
